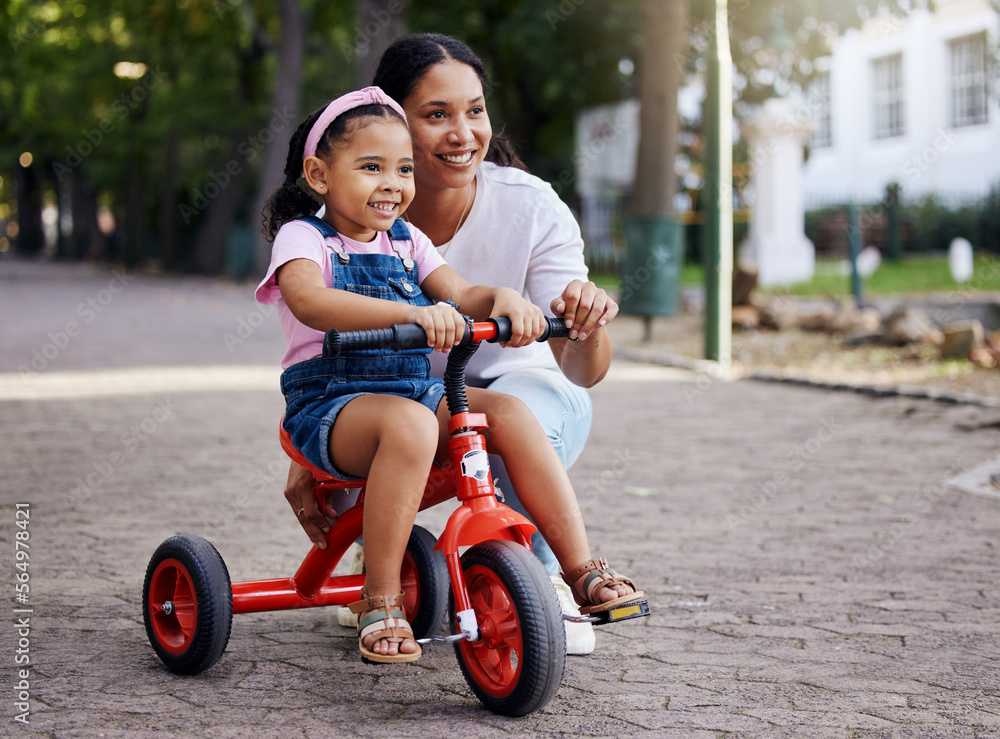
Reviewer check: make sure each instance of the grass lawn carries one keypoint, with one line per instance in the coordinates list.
(910, 275)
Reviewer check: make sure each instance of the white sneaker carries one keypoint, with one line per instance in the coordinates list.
(345, 616)
(580, 638)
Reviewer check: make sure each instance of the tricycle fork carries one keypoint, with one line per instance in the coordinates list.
(480, 516)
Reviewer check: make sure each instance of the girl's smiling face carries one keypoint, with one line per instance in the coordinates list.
(368, 182)
(449, 123)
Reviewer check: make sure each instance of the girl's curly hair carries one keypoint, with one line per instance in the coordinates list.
(291, 200)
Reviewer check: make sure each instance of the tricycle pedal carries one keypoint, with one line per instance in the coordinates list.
(624, 612)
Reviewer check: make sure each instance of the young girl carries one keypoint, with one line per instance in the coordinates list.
(378, 414)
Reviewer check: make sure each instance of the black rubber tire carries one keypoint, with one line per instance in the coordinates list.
(527, 595)
(433, 585)
(201, 580)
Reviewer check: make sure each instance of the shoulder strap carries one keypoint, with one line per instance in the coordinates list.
(325, 229)
(399, 231)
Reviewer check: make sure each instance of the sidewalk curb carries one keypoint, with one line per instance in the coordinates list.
(717, 371)
(883, 391)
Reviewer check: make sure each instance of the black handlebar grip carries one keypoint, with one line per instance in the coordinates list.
(396, 337)
(411, 336)
(556, 329)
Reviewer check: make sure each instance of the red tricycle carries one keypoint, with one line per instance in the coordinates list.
(509, 637)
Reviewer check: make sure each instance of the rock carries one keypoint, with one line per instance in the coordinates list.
(775, 312)
(817, 320)
(744, 281)
(910, 325)
(849, 318)
(745, 317)
(985, 356)
(960, 338)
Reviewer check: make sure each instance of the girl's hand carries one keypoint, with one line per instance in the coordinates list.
(443, 325)
(585, 308)
(527, 322)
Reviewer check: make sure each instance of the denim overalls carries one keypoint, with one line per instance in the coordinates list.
(317, 389)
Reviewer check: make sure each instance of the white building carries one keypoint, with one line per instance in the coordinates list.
(908, 99)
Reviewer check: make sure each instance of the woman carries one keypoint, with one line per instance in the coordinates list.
(498, 225)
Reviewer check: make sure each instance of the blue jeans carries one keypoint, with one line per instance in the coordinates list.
(316, 390)
(565, 412)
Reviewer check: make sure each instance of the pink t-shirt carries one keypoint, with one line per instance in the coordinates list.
(298, 240)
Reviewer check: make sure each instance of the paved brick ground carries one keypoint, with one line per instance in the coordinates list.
(811, 571)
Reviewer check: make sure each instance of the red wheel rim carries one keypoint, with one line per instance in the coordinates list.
(171, 582)
(495, 660)
(410, 581)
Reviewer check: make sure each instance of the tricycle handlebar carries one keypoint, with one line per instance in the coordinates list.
(411, 336)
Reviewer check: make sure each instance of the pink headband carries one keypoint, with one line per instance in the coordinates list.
(367, 96)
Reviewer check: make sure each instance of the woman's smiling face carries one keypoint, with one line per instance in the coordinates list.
(449, 124)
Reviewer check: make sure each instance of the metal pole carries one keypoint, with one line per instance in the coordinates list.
(854, 246)
(718, 243)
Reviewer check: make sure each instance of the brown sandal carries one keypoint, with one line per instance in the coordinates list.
(598, 575)
(382, 617)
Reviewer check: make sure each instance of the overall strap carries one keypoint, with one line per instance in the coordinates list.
(326, 230)
(398, 232)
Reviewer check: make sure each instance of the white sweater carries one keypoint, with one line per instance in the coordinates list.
(520, 235)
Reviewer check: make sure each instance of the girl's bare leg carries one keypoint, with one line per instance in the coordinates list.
(537, 474)
(391, 441)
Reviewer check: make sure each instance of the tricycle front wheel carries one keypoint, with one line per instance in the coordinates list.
(517, 665)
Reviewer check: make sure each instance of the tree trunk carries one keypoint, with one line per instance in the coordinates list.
(380, 22)
(660, 77)
(168, 205)
(285, 101)
(209, 256)
(91, 242)
(30, 238)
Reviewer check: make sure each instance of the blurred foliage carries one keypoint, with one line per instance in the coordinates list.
(927, 225)
(547, 61)
(210, 69)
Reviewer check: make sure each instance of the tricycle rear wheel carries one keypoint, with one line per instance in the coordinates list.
(187, 604)
(424, 577)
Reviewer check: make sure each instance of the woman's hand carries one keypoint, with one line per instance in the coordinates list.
(527, 322)
(585, 307)
(300, 492)
(443, 325)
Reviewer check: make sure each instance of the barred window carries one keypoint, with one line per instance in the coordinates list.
(887, 88)
(968, 81)
(818, 99)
